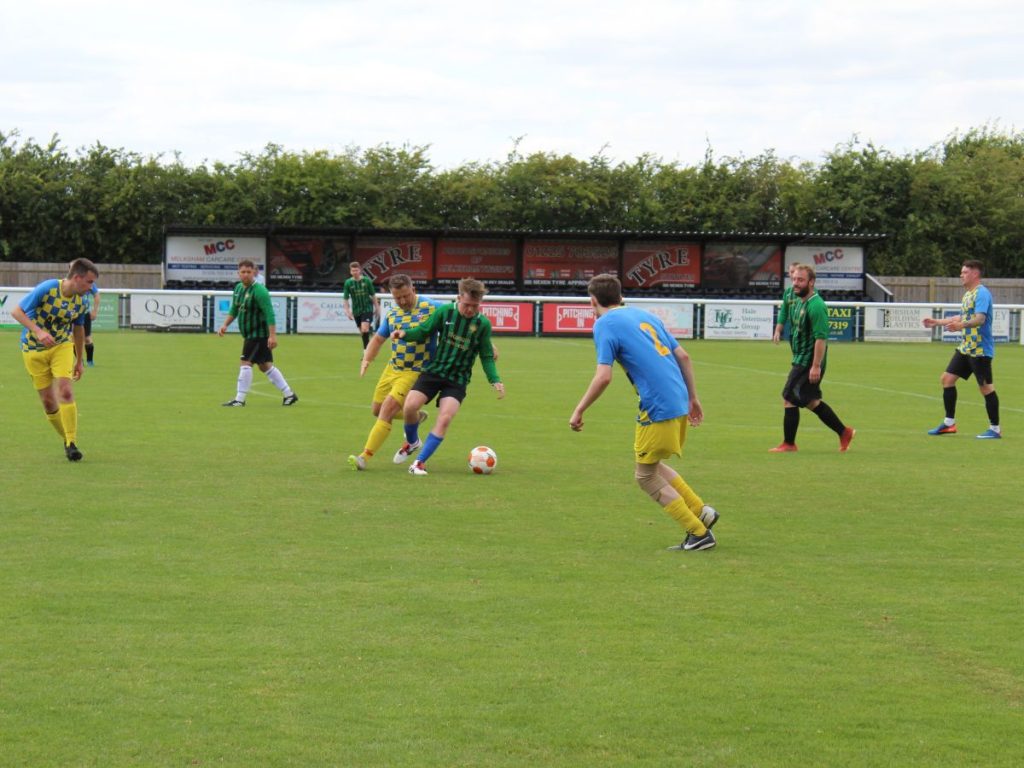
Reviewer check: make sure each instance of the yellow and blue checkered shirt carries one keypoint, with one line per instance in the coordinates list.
(54, 313)
(408, 355)
(977, 342)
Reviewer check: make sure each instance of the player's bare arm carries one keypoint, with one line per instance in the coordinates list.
(602, 378)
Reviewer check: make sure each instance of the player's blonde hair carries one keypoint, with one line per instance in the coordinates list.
(473, 288)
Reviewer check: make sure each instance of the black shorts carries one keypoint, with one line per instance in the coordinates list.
(964, 365)
(87, 324)
(363, 317)
(256, 351)
(431, 385)
(798, 390)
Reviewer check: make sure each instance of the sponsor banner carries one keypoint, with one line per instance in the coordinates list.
(323, 313)
(836, 267)
(568, 262)
(739, 321)
(567, 318)
(660, 265)
(509, 316)
(738, 266)
(384, 257)
(166, 310)
(895, 323)
(211, 258)
(311, 262)
(9, 299)
(222, 303)
(1000, 326)
(841, 323)
(676, 315)
(491, 260)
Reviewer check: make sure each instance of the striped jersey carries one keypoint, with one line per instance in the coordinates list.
(459, 341)
(361, 292)
(408, 355)
(810, 323)
(977, 342)
(251, 306)
(53, 312)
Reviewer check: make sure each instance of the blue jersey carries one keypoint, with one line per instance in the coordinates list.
(53, 312)
(409, 355)
(978, 342)
(639, 342)
(87, 297)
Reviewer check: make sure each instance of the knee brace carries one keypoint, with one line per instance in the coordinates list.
(654, 485)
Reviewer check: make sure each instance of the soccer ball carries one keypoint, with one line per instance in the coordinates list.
(482, 460)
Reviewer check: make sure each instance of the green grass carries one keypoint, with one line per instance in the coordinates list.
(214, 586)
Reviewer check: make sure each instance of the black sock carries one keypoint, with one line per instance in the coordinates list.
(790, 422)
(366, 339)
(992, 406)
(88, 352)
(949, 400)
(828, 418)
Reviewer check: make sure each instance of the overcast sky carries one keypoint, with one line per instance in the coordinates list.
(668, 78)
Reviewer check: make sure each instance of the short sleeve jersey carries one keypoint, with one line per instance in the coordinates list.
(89, 297)
(978, 342)
(810, 323)
(408, 355)
(361, 292)
(641, 344)
(51, 311)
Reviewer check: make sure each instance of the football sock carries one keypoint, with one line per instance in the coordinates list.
(378, 434)
(828, 418)
(366, 339)
(277, 379)
(949, 400)
(412, 433)
(429, 446)
(693, 502)
(244, 382)
(56, 423)
(790, 422)
(69, 420)
(682, 514)
(992, 407)
(88, 352)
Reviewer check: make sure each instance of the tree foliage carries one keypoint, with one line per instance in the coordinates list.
(962, 198)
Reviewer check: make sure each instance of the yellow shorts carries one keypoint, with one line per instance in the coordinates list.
(394, 383)
(45, 365)
(659, 440)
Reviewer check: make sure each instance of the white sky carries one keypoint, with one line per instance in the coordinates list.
(666, 77)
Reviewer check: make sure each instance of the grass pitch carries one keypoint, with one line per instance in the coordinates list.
(214, 586)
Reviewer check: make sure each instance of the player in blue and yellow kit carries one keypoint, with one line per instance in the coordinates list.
(662, 374)
(406, 362)
(52, 345)
(974, 353)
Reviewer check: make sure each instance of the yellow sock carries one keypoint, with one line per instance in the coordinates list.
(678, 510)
(377, 436)
(693, 502)
(55, 422)
(69, 419)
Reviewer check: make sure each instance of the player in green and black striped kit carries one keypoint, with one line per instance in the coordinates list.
(809, 340)
(251, 304)
(462, 334)
(364, 300)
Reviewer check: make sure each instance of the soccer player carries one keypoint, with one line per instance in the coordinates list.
(404, 366)
(364, 300)
(662, 374)
(974, 353)
(52, 342)
(809, 341)
(462, 335)
(786, 309)
(251, 304)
